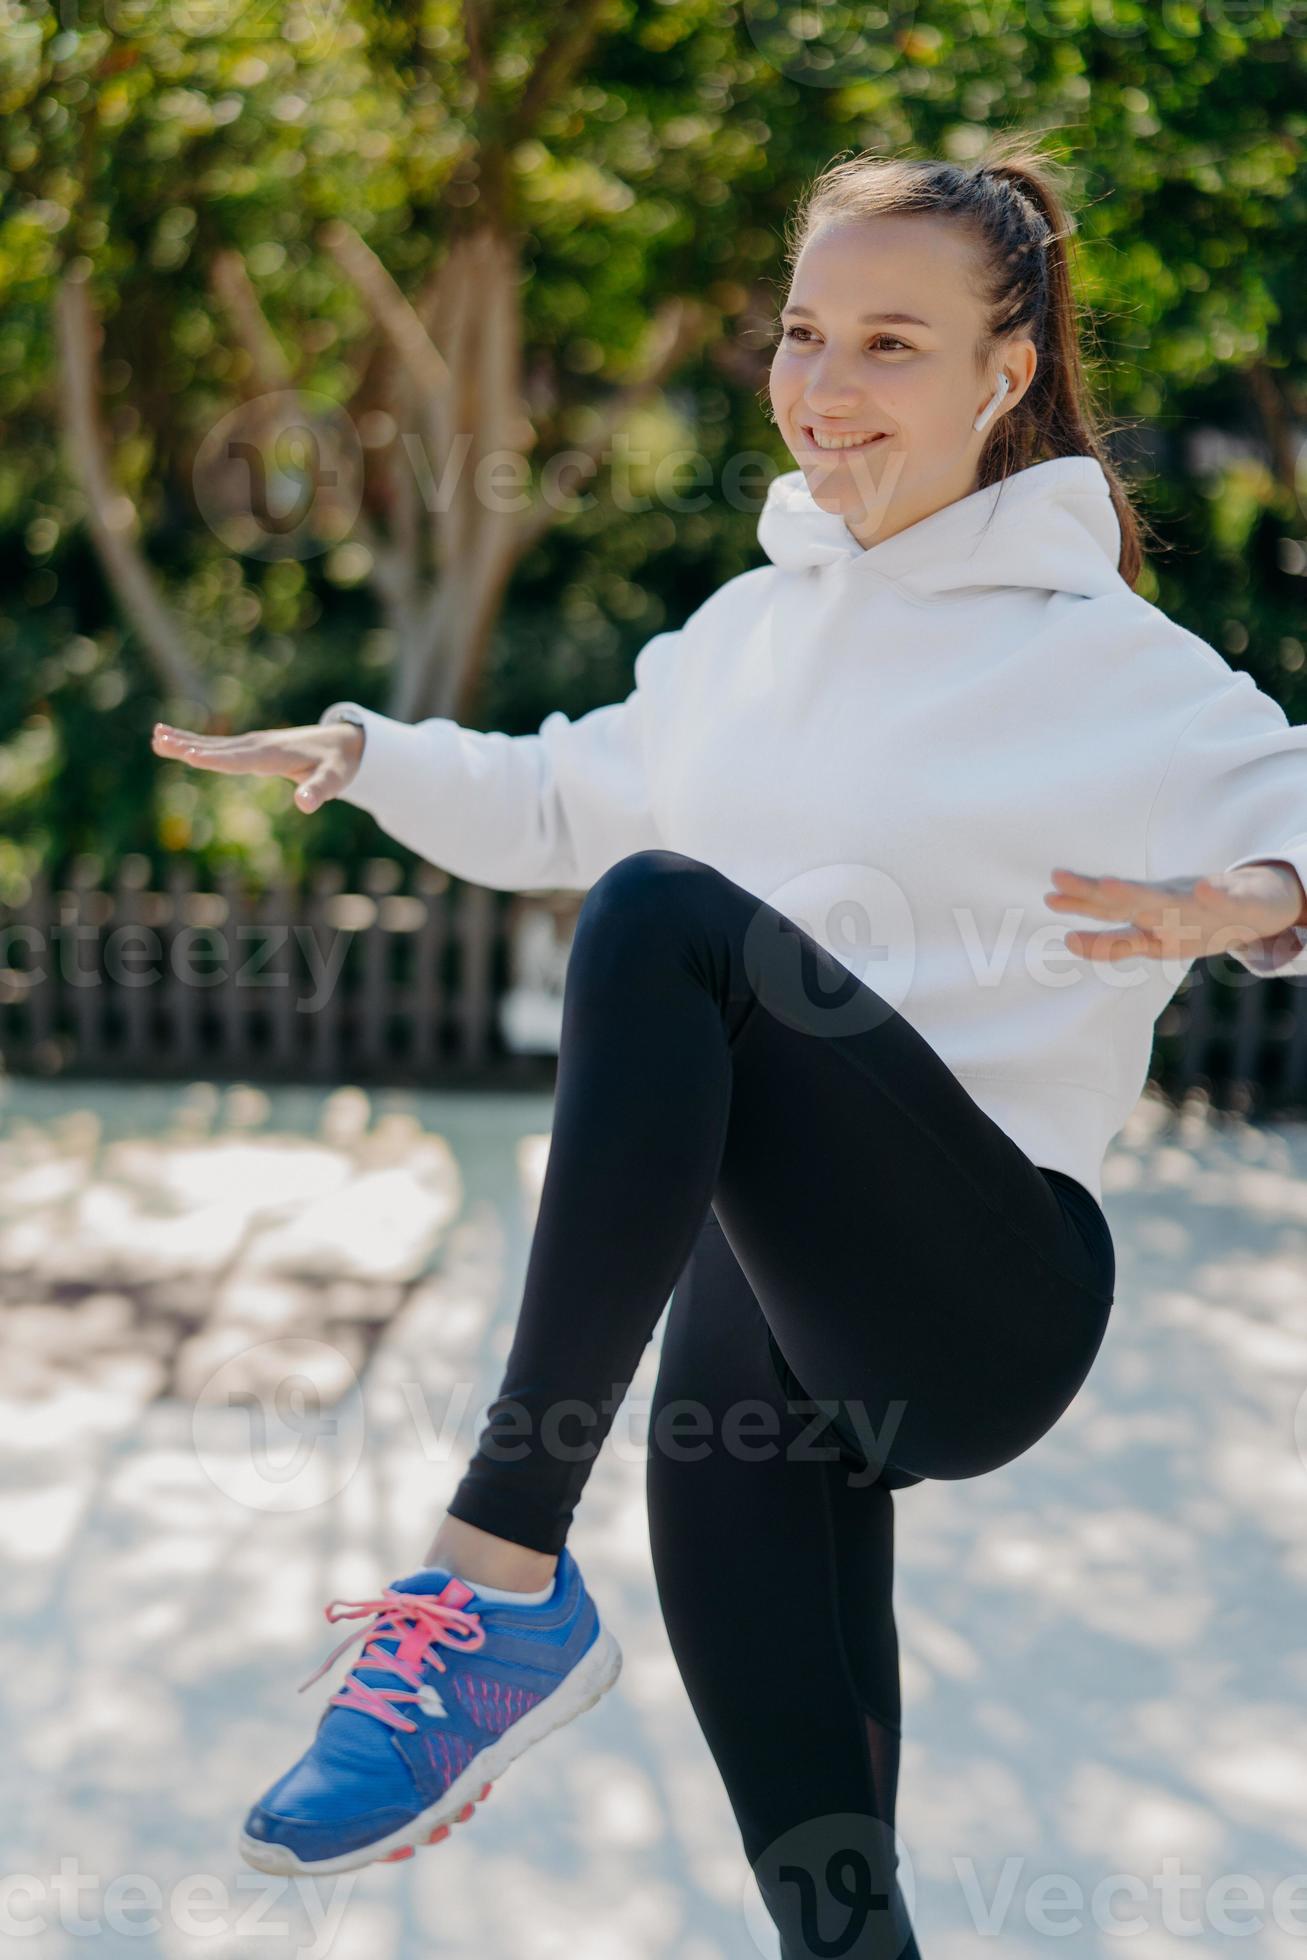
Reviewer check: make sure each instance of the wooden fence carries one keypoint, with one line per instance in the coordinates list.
(401, 980)
(414, 977)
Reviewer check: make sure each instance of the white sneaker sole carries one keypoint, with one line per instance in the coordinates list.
(593, 1675)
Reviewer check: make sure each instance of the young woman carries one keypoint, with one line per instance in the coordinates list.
(833, 1074)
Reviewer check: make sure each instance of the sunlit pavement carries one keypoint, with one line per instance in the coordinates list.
(247, 1341)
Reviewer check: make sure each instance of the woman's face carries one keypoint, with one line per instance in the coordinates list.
(846, 367)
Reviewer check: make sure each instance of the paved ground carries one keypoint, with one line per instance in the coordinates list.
(1104, 1667)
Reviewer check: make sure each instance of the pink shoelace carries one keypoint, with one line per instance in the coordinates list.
(419, 1621)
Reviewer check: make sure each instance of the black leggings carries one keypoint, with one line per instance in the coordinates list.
(873, 1284)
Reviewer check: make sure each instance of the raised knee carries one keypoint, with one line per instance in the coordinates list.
(644, 880)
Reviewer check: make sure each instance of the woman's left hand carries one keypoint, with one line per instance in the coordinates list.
(1180, 918)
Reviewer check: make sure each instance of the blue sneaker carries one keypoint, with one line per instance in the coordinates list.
(448, 1690)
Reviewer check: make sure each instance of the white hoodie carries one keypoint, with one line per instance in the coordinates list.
(894, 747)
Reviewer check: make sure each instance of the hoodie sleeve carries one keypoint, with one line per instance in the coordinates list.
(1234, 792)
(517, 812)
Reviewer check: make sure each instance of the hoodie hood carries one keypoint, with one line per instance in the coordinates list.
(1050, 528)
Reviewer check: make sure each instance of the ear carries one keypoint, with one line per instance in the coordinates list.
(1018, 361)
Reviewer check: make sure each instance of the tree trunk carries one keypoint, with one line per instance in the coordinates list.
(111, 516)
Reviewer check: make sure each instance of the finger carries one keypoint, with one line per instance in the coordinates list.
(1144, 916)
(1141, 899)
(189, 737)
(1083, 881)
(231, 755)
(237, 762)
(1224, 896)
(1069, 902)
(165, 732)
(1076, 880)
(319, 787)
(1122, 904)
(1108, 946)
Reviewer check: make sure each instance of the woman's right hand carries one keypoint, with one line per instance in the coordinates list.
(322, 759)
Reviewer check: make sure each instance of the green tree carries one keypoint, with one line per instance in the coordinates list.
(427, 234)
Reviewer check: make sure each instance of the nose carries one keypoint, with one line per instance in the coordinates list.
(831, 388)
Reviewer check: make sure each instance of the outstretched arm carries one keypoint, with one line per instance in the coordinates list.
(517, 812)
(1233, 795)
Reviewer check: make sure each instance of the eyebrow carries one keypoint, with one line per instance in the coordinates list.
(867, 319)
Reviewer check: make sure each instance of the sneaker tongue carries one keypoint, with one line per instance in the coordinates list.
(436, 1579)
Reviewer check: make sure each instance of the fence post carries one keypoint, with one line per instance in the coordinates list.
(280, 914)
(475, 929)
(180, 1033)
(85, 911)
(135, 987)
(326, 882)
(230, 1002)
(374, 998)
(425, 999)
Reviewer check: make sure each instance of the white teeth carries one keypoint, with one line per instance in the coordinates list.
(840, 442)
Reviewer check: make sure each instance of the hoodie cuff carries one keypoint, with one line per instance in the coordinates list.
(387, 747)
(1285, 952)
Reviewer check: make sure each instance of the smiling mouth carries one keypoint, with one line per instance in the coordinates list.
(834, 445)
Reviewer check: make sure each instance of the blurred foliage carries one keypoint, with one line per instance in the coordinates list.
(142, 135)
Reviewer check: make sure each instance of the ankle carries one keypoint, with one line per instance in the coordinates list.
(482, 1558)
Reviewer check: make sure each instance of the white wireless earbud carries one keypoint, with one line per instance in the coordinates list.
(1003, 385)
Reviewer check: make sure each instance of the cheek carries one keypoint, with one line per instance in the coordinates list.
(927, 419)
(782, 379)
(909, 394)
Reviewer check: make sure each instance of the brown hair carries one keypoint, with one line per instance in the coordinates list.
(1009, 202)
